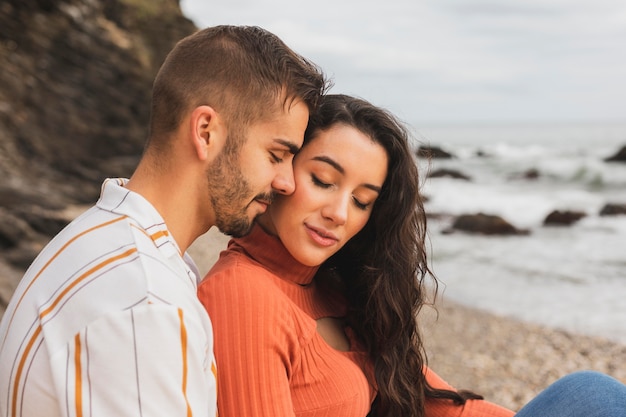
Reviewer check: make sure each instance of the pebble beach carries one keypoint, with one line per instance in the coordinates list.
(506, 360)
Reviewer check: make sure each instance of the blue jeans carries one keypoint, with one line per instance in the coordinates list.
(580, 394)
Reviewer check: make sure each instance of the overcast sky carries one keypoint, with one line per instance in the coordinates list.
(455, 61)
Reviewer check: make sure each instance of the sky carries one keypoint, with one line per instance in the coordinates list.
(455, 61)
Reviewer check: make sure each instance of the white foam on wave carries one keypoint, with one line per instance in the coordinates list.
(570, 277)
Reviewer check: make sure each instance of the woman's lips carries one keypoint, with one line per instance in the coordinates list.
(320, 236)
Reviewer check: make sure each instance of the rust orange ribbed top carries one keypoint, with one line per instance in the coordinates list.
(271, 360)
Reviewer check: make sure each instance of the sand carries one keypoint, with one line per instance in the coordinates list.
(506, 360)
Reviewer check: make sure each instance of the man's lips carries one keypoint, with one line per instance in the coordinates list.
(320, 236)
(264, 199)
(263, 203)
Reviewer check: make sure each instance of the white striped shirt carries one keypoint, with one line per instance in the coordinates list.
(106, 322)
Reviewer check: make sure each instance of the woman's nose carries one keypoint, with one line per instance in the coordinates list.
(336, 209)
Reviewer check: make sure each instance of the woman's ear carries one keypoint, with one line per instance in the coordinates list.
(208, 132)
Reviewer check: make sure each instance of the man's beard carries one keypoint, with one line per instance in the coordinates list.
(231, 195)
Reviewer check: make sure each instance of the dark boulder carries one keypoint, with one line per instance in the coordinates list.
(451, 173)
(613, 209)
(563, 218)
(529, 174)
(619, 156)
(428, 152)
(484, 224)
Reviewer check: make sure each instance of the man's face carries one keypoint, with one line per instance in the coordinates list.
(242, 183)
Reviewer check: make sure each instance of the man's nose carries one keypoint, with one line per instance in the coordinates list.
(283, 181)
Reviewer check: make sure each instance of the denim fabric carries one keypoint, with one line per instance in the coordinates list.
(580, 394)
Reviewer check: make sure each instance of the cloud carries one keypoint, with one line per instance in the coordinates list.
(456, 59)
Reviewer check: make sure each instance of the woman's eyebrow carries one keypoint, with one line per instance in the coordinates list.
(373, 187)
(330, 162)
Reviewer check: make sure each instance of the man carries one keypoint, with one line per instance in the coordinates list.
(106, 321)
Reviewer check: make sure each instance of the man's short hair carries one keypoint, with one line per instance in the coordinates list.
(240, 71)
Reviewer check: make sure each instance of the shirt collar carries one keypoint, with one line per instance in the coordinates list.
(114, 197)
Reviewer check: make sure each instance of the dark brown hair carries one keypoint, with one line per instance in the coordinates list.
(240, 71)
(382, 271)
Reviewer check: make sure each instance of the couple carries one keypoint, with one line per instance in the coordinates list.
(106, 320)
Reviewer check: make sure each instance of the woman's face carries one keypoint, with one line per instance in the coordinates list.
(338, 176)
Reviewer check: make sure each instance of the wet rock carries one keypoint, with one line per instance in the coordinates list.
(484, 224)
(429, 152)
(529, 174)
(451, 173)
(619, 156)
(563, 218)
(613, 209)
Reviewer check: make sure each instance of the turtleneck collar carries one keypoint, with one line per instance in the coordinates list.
(269, 251)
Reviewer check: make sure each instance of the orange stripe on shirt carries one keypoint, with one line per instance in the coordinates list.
(159, 235)
(20, 368)
(82, 277)
(47, 311)
(154, 236)
(78, 384)
(69, 242)
(214, 372)
(183, 343)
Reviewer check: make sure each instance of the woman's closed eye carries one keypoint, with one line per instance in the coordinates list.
(360, 205)
(319, 182)
(357, 202)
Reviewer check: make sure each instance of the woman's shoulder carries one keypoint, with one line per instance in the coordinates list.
(237, 270)
(237, 286)
(236, 282)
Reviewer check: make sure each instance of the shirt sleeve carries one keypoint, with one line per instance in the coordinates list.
(472, 408)
(151, 360)
(256, 343)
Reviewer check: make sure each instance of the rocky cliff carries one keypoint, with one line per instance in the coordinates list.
(75, 81)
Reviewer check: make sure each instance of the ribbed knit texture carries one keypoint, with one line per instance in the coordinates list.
(271, 360)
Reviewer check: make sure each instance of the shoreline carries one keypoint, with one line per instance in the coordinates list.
(506, 360)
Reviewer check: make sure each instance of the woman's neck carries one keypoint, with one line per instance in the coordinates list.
(266, 223)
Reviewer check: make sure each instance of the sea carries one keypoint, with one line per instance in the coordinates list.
(566, 277)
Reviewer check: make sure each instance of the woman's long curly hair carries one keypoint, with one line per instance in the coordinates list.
(382, 271)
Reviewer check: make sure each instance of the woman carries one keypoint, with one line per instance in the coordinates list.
(293, 338)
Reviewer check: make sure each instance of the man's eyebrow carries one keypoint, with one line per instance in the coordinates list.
(293, 148)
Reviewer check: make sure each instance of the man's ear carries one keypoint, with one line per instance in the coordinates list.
(208, 132)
